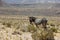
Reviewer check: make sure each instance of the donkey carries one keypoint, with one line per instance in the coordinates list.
(37, 22)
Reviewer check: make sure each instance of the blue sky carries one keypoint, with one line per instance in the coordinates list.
(29, 1)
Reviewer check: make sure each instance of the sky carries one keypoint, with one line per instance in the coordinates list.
(29, 1)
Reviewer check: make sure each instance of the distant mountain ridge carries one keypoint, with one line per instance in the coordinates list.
(38, 5)
(40, 1)
(31, 9)
(31, 1)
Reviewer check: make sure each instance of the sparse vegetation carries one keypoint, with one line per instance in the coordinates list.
(15, 26)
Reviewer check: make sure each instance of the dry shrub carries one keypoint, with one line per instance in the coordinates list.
(43, 35)
(52, 24)
(54, 29)
(8, 25)
(4, 23)
(31, 28)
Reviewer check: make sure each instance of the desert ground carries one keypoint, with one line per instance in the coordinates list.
(15, 27)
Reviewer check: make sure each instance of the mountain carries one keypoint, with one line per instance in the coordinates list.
(31, 1)
(41, 1)
(47, 9)
(31, 8)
